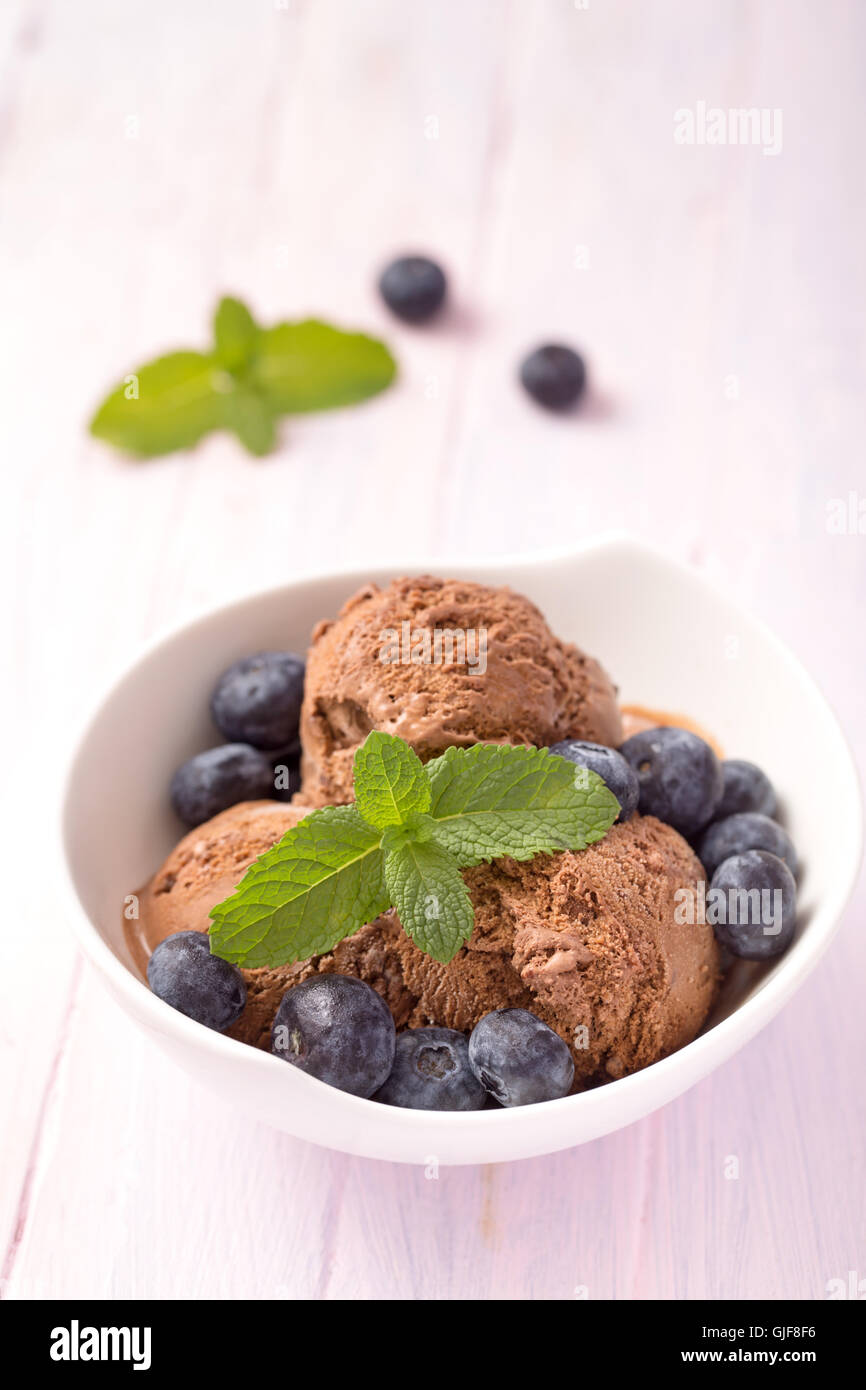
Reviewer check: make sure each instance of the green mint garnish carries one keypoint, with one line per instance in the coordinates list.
(493, 800)
(322, 881)
(235, 334)
(169, 404)
(250, 415)
(251, 377)
(312, 366)
(390, 781)
(403, 844)
(432, 901)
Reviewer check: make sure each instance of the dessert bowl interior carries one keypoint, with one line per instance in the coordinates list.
(669, 640)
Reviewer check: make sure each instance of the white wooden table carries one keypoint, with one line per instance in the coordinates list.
(154, 154)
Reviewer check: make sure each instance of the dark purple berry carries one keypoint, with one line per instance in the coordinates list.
(258, 700)
(221, 777)
(183, 972)
(287, 778)
(431, 1071)
(413, 287)
(680, 777)
(613, 769)
(746, 788)
(518, 1059)
(752, 904)
(338, 1029)
(554, 375)
(736, 834)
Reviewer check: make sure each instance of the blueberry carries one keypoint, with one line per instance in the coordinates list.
(287, 778)
(336, 1028)
(183, 972)
(518, 1059)
(413, 287)
(431, 1072)
(746, 788)
(753, 922)
(611, 767)
(212, 781)
(258, 700)
(554, 376)
(736, 834)
(680, 777)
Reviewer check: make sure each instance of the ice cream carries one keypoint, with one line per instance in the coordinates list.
(206, 866)
(440, 662)
(587, 941)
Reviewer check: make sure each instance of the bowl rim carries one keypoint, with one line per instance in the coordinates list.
(697, 1058)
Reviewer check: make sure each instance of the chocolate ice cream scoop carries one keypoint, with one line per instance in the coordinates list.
(443, 662)
(206, 866)
(587, 941)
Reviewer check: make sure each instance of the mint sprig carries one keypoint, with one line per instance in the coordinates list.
(250, 378)
(322, 881)
(390, 781)
(432, 901)
(236, 335)
(493, 799)
(403, 844)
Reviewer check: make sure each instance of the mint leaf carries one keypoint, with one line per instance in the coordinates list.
(493, 800)
(235, 334)
(251, 417)
(335, 871)
(168, 404)
(312, 366)
(432, 901)
(390, 781)
(321, 882)
(252, 377)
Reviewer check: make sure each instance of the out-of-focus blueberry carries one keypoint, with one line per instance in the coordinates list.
(258, 700)
(613, 769)
(221, 777)
(746, 788)
(748, 830)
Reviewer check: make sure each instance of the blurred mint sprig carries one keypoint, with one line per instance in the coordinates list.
(249, 379)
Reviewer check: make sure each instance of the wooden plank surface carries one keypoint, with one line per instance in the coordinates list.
(153, 155)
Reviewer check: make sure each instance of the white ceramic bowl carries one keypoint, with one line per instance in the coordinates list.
(671, 642)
